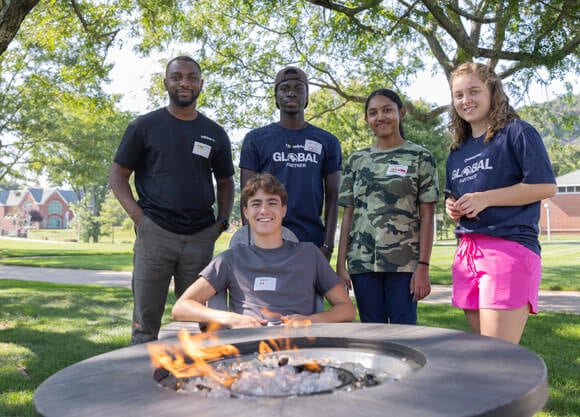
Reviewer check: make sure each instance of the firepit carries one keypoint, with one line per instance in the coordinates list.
(430, 372)
(309, 366)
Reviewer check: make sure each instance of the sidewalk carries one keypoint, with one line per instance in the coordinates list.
(556, 301)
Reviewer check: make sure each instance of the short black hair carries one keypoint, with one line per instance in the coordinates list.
(183, 58)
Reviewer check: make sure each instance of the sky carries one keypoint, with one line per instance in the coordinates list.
(131, 76)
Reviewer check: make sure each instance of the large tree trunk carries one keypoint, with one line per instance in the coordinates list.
(12, 14)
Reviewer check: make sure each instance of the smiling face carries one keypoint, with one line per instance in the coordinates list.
(183, 83)
(472, 101)
(383, 116)
(264, 213)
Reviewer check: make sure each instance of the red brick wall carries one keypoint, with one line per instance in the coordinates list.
(564, 213)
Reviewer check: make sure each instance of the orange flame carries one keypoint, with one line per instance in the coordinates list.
(178, 359)
(192, 357)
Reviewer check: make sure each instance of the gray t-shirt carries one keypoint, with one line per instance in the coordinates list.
(285, 280)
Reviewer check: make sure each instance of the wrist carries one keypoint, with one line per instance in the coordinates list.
(423, 263)
(327, 247)
(223, 221)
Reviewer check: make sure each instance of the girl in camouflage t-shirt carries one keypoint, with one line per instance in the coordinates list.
(388, 191)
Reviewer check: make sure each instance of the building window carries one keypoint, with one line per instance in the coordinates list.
(54, 207)
(569, 189)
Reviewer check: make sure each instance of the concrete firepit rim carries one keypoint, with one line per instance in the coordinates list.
(465, 375)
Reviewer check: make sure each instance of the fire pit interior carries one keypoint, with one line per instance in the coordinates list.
(420, 371)
(311, 366)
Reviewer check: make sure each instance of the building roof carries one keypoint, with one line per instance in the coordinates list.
(37, 194)
(571, 178)
(40, 195)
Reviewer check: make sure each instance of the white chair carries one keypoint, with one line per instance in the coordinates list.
(243, 236)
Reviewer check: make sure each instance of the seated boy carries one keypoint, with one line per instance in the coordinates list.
(271, 281)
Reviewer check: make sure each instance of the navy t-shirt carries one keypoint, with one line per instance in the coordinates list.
(516, 154)
(300, 159)
(173, 161)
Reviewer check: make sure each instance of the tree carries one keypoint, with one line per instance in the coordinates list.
(384, 43)
(242, 43)
(35, 216)
(12, 14)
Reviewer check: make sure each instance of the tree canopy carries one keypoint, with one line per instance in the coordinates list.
(55, 51)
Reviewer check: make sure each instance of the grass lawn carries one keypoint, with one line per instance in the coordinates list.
(560, 256)
(47, 327)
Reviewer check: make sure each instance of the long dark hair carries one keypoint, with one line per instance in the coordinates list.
(391, 95)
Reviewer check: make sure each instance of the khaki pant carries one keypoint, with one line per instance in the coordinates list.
(159, 255)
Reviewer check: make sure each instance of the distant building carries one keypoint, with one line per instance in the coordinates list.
(562, 212)
(19, 208)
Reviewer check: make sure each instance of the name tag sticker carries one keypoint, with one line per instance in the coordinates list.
(201, 149)
(400, 170)
(313, 146)
(265, 284)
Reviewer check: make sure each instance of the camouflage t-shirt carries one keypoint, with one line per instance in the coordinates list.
(386, 187)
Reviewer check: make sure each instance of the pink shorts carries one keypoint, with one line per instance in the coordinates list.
(489, 272)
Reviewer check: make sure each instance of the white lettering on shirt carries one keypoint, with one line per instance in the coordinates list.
(469, 172)
(295, 157)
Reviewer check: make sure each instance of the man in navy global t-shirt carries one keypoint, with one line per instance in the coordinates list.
(305, 158)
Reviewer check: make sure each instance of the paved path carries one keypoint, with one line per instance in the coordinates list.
(558, 301)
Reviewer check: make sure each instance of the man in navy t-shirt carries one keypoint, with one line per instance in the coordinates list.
(305, 158)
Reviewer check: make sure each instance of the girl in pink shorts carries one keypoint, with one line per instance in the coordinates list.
(497, 173)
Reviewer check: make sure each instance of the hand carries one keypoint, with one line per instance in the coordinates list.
(471, 204)
(420, 284)
(296, 320)
(345, 278)
(240, 321)
(451, 209)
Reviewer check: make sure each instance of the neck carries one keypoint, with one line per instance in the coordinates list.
(478, 129)
(270, 241)
(293, 121)
(183, 113)
(478, 133)
(388, 142)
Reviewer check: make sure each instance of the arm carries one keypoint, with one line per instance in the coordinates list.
(345, 227)
(119, 182)
(420, 283)
(520, 194)
(245, 175)
(331, 186)
(342, 309)
(225, 197)
(190, 307)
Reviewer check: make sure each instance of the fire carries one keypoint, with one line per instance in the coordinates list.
(193, 358)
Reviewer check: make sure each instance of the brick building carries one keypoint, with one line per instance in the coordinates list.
(562, 212)
(16, 207)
